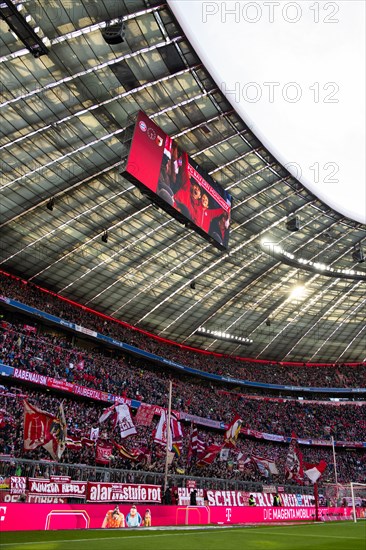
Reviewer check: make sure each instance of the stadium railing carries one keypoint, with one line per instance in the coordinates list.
(80, 472)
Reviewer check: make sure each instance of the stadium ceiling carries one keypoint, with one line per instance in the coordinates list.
(64, 112)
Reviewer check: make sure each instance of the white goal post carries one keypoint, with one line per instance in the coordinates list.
(358, 495)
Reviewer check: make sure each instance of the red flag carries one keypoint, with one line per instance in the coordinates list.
(73, 443)
(111, 411)
(120, 414)
(177, 435)
(42, 429)
(196, 445)
(145, 414)
(86, 442)
(103, 453)
(132, 454)
(124, 420)
(314, 471)
(233, 431)
(265, 466)
(294, 463)
(209, 455)
(160, 436)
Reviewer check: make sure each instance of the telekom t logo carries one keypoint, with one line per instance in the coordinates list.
(228, 514)
(2, 513)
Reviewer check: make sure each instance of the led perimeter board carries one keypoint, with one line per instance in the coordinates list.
(163, 171)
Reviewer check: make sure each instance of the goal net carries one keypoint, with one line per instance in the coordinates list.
(352, 495)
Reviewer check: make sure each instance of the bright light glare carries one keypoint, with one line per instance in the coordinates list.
(298, 292)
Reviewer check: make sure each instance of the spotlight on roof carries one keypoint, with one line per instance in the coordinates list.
(223, 335)
(51, 204)
(358, 254)
(105, 237)
(293, 223)
(114, 32)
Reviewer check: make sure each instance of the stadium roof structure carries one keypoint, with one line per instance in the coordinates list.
(67, 98)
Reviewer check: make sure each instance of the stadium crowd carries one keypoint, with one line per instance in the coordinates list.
(128, 376)
(337, 376)
(82, 416)
(27, 344)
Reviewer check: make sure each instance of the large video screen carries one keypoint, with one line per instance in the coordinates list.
(159, 167)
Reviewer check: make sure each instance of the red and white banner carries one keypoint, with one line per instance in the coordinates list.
(145, 414)
(103, 453)
(177, 434)
(46, 487)
(123, 492)
(314, 471)
(124, 420)
(131, 454)
(62, 385)
(209, 455)
(161, 430)
(265, 466)
(73, 443)
(196, 446)
(18, 485)
(6, 496)
(61, 479)
(232, 432)
(42, 429)
(240, 498)
(243, 461)
(294, 463)
(109, 413)
(120, 415)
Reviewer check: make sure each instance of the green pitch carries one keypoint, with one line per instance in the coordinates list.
(325, 536)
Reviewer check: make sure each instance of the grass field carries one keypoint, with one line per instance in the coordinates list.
(324, 536)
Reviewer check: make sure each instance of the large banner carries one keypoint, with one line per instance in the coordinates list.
(240, 498)
(46, 487)
(92, 516)
(63, 385)
(123, 492)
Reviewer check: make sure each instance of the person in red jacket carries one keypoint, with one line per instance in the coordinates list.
(206, 214)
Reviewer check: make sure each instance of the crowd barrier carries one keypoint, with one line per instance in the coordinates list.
(32, 517)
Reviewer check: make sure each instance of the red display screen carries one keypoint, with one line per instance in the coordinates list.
(171, 178)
